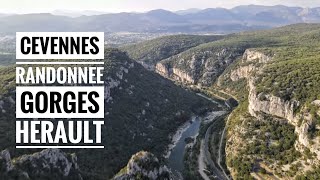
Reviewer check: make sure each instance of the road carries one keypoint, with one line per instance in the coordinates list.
(224, 92)
(201, 162)
(205, 157)
(220, 152)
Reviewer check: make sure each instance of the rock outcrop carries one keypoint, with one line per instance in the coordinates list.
(144, 165)
(174, 73)
(200, 68)
(163, 70)
(251, 58)
(5, 162)
(47, 164)
(252, 62)
(182, 76)
(271, 104)
(257, 56)
(115, 81)
(242, 72)
(276, 106)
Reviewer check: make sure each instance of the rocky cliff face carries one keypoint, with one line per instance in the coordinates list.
(293, 111)
(251, 55)
(47, 164)
(114, 81)
(242, 72)
(163, 70)
(251, 58)
(271, 104)
(174, 73)
(276, 106)
(182, 76)
(144, 165)
(194, 67)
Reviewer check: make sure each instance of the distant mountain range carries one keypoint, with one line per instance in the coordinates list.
(212, 20)
(71, 13)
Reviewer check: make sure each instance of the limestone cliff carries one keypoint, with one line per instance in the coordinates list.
(276, 106)
(273, 105)
(252, 64)
(174, 73)
(163, 70)
(198, 68)
(144, 165)
(47, 164)
(242, 72)
(251, 61)
(251, 55)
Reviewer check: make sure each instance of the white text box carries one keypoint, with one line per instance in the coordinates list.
(28, 44)
(71, 101)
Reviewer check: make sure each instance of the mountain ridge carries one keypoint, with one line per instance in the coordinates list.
(214, 20)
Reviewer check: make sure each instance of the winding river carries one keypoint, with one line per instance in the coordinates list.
(191, 129)
(175, 160)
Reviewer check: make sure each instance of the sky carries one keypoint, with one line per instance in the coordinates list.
(36, 6)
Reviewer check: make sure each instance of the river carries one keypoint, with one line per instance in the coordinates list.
(191, 129)
(175, 160)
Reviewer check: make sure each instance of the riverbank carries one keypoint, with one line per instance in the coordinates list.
(177, 136)
(185, 144)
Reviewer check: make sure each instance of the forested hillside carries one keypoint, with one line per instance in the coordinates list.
(274, 74)
(142, 110)
(148, 53)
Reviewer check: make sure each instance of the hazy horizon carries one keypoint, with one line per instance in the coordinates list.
(113, 6)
